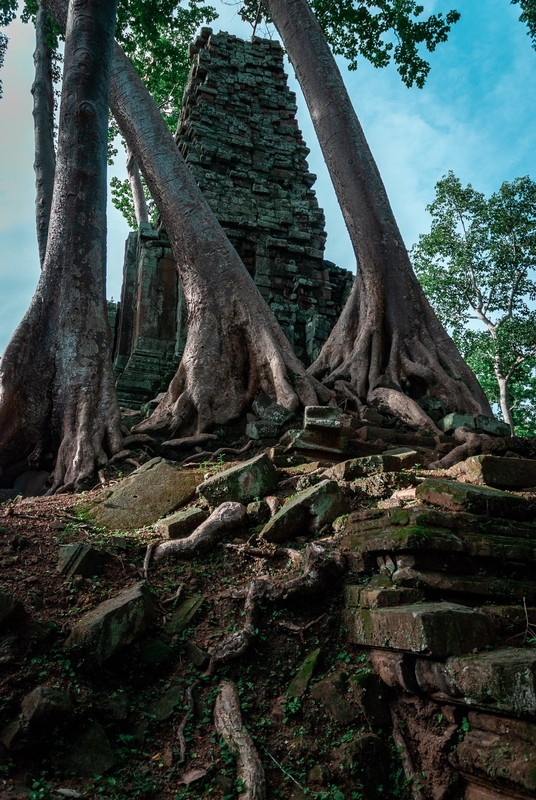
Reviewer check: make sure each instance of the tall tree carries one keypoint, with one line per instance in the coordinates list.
(43, 114)
(478, 267)
(388, 343)
(235, 348)
(56, 382)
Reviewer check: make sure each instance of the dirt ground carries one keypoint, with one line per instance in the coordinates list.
(301, 747)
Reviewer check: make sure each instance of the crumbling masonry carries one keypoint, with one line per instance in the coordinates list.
(239, 134)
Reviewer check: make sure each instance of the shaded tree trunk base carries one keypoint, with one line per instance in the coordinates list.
(391, 364)
(56, 401)
(225, 366)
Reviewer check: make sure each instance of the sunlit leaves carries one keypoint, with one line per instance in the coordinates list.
(478, 268)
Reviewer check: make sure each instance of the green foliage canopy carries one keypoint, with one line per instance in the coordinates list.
(528, 16)
(7, 15)
(478, 268)
(378, 30)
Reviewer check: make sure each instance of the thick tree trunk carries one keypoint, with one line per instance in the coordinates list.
(388, 335)
(136, 186)
(504, 399)
(43, 114)
(235, 348)
(57, 390)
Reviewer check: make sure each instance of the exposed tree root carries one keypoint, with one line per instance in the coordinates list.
(224, 518)
(189, 700)
(258, 552)
(189, 441)
(389, 363)
(67, 405)
(207, 455)
(229, 724)
(322, 570)
(237, 643)
(469, 444)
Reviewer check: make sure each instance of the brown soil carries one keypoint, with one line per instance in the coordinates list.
(292, 737)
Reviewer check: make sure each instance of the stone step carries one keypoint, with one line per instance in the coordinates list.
(475, 499)
(496, 471)
(375, 518)
(483, 586)
(370, 433)
(437, 630)
(501, 681)
(496, 550)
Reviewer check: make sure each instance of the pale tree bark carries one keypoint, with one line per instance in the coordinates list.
(388, 343)
(43, 114)
(56, 382)
(235, 348)
(138, 195)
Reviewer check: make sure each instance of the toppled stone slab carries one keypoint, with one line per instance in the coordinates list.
(502, 681)
(390, 461)
(92, 753)
(328, 443)
(79, 558)
(166, 705)
(501, 761)
(433, 629)
(381, 485)
(476, 499)
(267, 409)
(241, 483)
(490, 425)
(322, 417)
(115, 623)
(153, 491)
(300, 682)
(500, 473)
(31, 484)
(262, 429)
(306, 512)
(333, 694)
(258, 512)
(370, 433)
(388, 597)
(181, 524)
(368, 692)
(42, 709)
(453, 421)
(184, 614)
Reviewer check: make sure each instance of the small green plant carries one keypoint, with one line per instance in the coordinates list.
(41, 789)
(292, 706)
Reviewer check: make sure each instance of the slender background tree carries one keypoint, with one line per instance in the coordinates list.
(478, 268)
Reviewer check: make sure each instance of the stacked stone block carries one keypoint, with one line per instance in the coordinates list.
(239, 134)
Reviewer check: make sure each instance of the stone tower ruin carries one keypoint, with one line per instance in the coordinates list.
(239, 135)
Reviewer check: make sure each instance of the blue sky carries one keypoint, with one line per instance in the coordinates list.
(476, 115)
